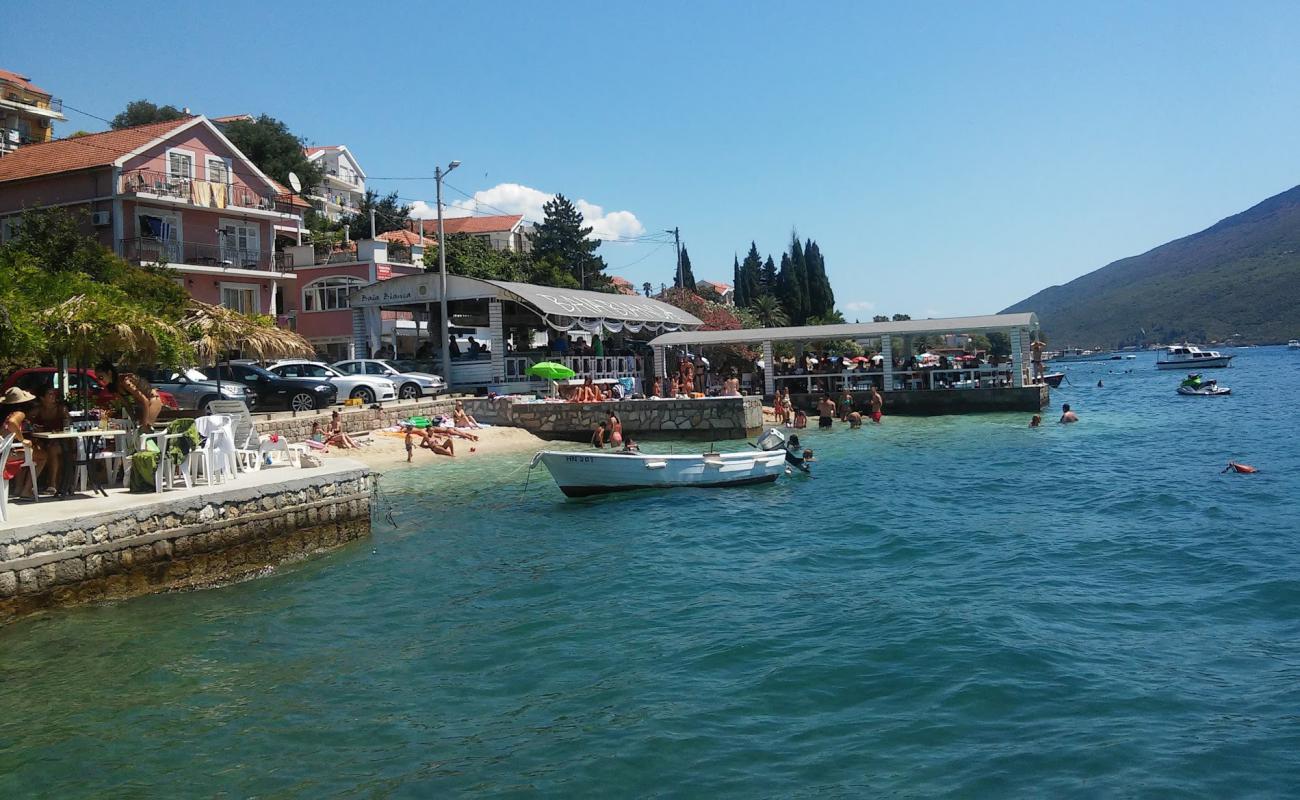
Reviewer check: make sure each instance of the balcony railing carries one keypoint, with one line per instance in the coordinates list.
(53, 104)
(160, 251)
(209, 194)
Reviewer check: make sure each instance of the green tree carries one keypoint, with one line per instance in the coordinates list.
(999, 343)
(390, 215)
(142, 112)
(738, 282)
(688, 276)
(768, 312)
(792, 282)
(562, 246)
(880, 318)
(647, 288)
(902, 317)
(474, 258)
(270, 145)
(821, 298)
(768, 278)
(751, 275)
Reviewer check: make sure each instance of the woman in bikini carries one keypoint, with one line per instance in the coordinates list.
(462, 419)
(615, 428)
(148, 403)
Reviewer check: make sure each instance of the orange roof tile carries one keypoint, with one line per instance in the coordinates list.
(499, 223)
(408, 238)
(21, 80)
(83, 152)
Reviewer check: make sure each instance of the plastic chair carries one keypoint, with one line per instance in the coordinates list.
(6, 445)
(164, 477)
(215, 458)
(28, 464)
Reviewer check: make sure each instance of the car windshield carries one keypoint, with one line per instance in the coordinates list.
(250, 369)
(388, 364)
(319, 371)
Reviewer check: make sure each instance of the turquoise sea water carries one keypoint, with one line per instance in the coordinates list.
(956, 606)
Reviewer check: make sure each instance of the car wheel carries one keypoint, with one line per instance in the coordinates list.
(409, 391)
(364, 395)
(205, 406)
(302, 401)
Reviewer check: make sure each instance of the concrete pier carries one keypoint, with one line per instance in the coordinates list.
(55, 553)
(931, 402)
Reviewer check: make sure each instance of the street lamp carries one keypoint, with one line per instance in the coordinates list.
(438, 174)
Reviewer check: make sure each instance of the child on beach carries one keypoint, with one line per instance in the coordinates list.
(410, 441)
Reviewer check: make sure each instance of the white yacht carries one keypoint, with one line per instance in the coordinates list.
(1187, 356)
(1294, 344)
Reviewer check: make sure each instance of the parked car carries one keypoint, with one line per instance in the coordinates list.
(272, 391)
(410, 385)
(33, 379)
(366, 388)
(193, 390)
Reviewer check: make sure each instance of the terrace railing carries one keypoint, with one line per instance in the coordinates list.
(198, 192)
(160, 251)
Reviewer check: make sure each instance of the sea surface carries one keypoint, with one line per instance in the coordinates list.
(950, 607)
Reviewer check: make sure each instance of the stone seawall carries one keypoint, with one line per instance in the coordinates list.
(943, 401)
(297, 426)
(181, 541)
(705, 419)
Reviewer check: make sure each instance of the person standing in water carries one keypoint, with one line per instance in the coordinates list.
(1067, 416)
(877, 405)
(825, 412)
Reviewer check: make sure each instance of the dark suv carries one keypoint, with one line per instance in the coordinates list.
(272, 391)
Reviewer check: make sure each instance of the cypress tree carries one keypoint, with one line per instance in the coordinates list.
(767, 279)
(737, 281)
(821, 299)
(797, 306)
(688, 277)
(750, 273)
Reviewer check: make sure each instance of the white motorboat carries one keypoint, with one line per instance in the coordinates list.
(1193, 386)
(1294, 344)
(1182, 356)
(581, 474)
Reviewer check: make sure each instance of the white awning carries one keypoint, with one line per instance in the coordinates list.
(566, 309)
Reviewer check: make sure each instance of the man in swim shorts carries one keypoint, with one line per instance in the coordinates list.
(825, 412)
(877, 405)
(1068, 416)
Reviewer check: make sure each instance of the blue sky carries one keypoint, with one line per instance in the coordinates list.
(949, 158)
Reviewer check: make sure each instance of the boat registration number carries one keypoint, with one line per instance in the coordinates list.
(581, 459)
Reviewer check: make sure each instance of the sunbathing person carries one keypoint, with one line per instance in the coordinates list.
(442, 447)
(462, 419)
(336, 435)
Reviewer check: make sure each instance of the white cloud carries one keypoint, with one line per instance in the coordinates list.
(515, 198)
(859, 305)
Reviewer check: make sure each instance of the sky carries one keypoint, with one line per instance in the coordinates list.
(948, 158)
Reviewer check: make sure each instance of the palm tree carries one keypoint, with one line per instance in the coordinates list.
(767, 310)
(646, 288)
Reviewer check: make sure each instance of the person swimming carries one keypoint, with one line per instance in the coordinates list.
(1244, 469)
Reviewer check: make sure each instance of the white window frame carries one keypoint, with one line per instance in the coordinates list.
(194, 163)
(256, 289)
(228, 163)
(344, 284)
(223, 223)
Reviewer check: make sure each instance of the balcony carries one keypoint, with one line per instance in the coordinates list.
(51, 106)
(158, 251)
(206, 194)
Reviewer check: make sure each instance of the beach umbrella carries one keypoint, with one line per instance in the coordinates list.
(217, 329)
(551, 371)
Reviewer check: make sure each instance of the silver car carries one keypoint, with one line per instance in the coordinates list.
(193, 390)
(410, 385)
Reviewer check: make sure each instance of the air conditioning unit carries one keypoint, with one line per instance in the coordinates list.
(100, 218)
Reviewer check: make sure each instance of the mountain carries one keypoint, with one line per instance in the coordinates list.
(1238, 278)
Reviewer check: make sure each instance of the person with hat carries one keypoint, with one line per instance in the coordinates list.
(15, 405)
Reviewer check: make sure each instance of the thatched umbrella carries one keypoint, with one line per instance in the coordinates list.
(216, 330)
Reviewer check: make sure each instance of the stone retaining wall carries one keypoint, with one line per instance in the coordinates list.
(186, 542)
(930, 402)
(297, 426)
(705, 418)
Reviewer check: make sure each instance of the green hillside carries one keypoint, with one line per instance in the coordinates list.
(1238, 278)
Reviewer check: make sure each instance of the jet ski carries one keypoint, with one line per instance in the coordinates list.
(1193, 386)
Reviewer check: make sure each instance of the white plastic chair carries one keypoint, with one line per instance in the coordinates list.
(215, 459)
(164, 477)
(28, 464)
(6, 444)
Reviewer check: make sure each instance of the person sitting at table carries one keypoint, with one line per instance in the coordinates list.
(15, 405)
(148, 403)
(51, 415)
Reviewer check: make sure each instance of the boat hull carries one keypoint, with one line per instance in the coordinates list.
(587, 474)
(1214, 362)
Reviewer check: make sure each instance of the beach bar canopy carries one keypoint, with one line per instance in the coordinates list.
(1018, 327)
(504, 305)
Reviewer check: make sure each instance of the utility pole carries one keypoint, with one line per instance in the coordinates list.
(677, 238)
(438, 174)
(372, 224)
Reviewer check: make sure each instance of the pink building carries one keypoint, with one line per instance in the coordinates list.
(174, 192)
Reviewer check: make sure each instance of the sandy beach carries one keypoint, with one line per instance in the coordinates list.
(388, 451)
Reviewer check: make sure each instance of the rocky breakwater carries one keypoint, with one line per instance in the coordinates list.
(705, 418)
(180, 540)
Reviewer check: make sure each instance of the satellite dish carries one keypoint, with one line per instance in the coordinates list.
(294, 183)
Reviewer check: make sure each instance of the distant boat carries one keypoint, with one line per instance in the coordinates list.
(1182, 356)
(1053, 379)
(1294, 344)
(1077, 354)
(581, 474)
